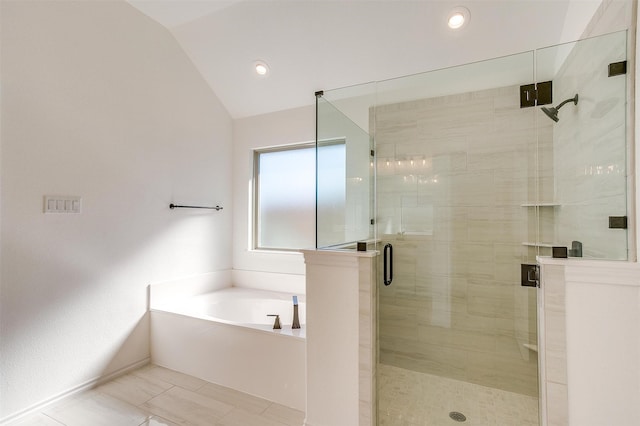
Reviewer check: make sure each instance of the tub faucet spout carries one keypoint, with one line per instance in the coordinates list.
(296, 321)
(276, 323)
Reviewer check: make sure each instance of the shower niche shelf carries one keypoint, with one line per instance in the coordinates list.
(547, 224)
(547, 245)
(540, 205)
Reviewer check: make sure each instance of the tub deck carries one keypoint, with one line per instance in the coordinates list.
(246, 355)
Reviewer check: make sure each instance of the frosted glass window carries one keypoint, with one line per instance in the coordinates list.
(285, 182)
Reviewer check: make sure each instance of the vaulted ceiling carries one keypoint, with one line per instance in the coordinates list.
(312, 45)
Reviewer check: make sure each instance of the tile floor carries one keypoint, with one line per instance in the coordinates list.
(156, 396)
(409, 398)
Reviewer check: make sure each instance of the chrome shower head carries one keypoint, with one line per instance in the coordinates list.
(552, 112)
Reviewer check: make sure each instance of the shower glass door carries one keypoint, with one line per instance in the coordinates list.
(584, 161)
(456, 163)
(469, 184)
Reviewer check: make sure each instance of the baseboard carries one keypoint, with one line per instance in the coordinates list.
(73, 391)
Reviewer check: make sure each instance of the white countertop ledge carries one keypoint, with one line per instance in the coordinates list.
(593, 271)
(338, 258)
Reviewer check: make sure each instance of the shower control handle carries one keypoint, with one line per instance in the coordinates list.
(387, 264)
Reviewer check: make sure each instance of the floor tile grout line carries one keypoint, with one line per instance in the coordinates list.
(141, 406)
(267, 407)
(121, 399)
(52, 418)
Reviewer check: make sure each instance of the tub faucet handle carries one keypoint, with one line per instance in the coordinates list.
(276, 324)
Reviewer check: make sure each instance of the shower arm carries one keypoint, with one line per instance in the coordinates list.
(574, 100)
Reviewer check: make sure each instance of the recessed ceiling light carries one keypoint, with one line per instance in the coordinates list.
(261, 68)
(458, 17)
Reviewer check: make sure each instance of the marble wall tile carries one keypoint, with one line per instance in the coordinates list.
(486, 298)
(444, 361)
(557, 405)
(477, 340)
(432, 258)
(450, 224)
(554, 288)
(459, 320)
(472, 189)
(494, 370)
(441, 291)
(459, 285)
(512, 190)
(399, 329)
(555, 326)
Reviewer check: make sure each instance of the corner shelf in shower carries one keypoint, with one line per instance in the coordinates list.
(540, 244)
(547, 245)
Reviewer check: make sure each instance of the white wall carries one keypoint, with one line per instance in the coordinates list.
(100, 102)
(590, 342)
(280, 128)
(603, 343)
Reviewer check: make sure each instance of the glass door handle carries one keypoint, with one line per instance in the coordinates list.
(387, 263)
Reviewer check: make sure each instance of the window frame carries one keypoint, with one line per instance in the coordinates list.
(255, 211)
(255, 196)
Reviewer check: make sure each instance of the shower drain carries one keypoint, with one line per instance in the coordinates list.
(458, 417)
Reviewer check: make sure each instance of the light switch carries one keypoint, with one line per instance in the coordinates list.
(62, 204)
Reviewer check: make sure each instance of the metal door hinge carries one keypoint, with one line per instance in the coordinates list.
(530, 275)
(617, 68)
(617, 222)
(536, 94)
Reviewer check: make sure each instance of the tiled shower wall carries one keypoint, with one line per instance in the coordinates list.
(453, 174)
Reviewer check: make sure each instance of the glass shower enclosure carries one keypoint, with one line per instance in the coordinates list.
(467, 178)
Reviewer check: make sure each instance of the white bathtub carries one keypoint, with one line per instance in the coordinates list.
(226, 337)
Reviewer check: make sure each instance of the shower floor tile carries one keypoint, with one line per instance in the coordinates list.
(409, 398)
(156, 396)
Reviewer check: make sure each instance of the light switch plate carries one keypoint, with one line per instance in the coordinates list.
(62, 204)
